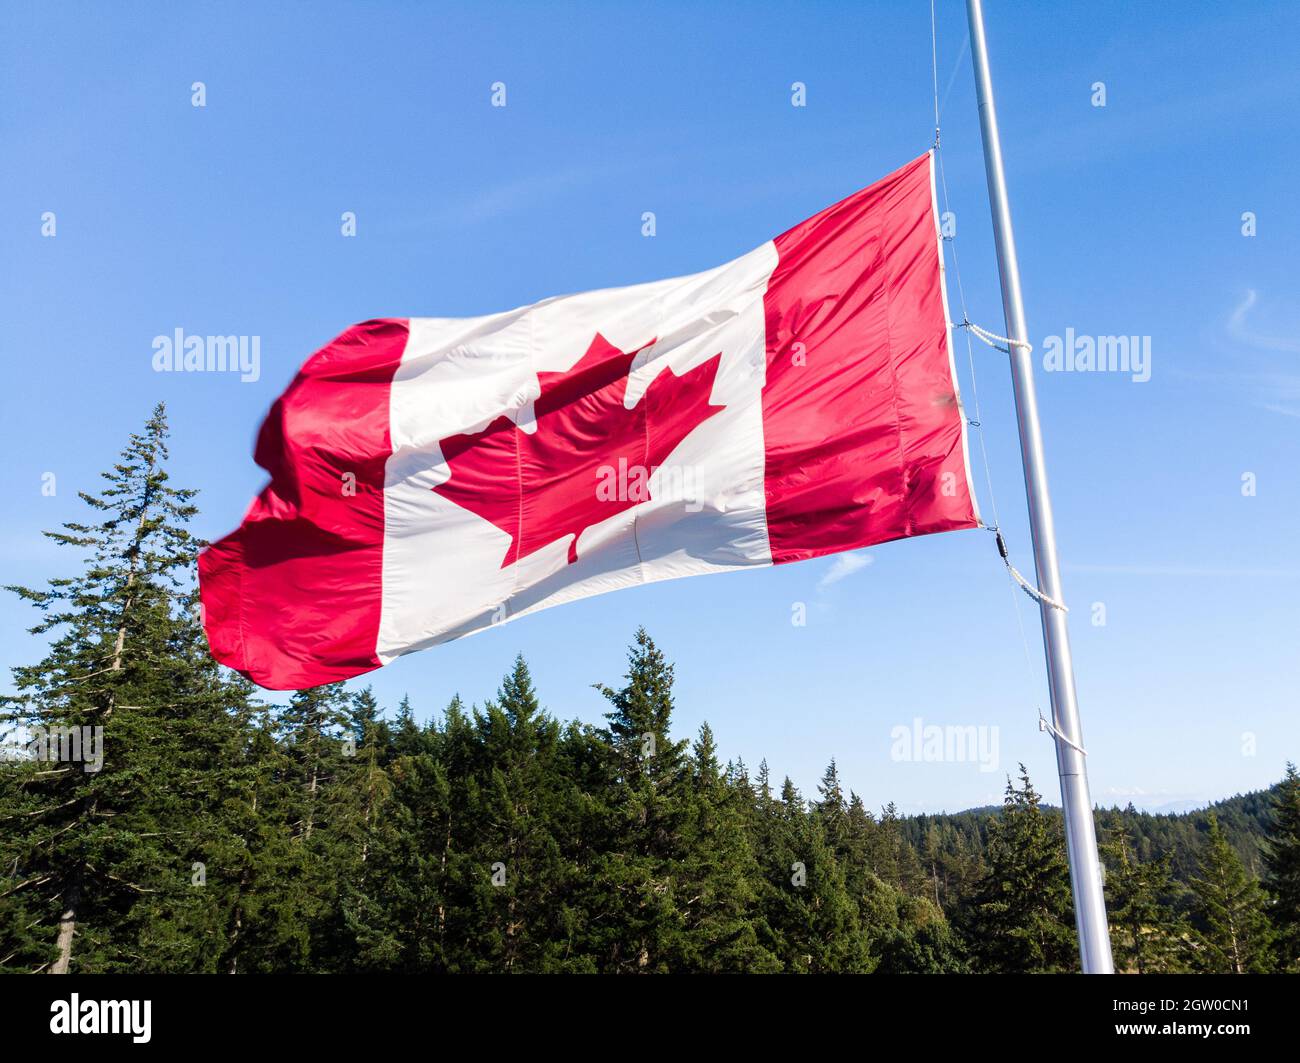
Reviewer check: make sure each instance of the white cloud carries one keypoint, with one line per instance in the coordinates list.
(842, 567)
(1239, 331)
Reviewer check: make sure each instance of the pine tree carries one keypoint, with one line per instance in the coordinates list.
(860, 840)
(315, 730)
(717, 879)
(265, 927)
(359, 798)
(456, 763)
(647, 813)
(1232, 933)
(407, 919)
(1145, 931)
(408, 738)
(522, 880)
(1022, 920)
(831, 809)
(114, 863)
(931, 855)
(763, 787)
(363, 775)
(812, 920)
(314, 726)
(890, 855)
(220, 835)
(1282, 871)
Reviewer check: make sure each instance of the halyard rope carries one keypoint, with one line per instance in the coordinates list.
(992, 340)
(1025, 585)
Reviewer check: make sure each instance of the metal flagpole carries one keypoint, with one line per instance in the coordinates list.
(1085, 868)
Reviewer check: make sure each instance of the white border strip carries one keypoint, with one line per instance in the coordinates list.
(947, 338)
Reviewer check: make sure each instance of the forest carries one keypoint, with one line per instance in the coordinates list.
(157, 814)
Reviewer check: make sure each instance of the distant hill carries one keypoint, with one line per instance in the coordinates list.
(1243, 817)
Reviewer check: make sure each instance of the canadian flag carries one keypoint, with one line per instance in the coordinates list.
(431, 477)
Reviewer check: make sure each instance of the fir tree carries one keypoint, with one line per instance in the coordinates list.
(860, 839)
(105, 863)
(1232, 933)
(319, 809)
(408, 738)
(404, 918)
(1282, 871)
(647, 813)
(831, 809)
(522, 880)
(361, 801)
(717, 877)
(1022, 916)
(314, 725)
(895, 860)
(1146, 933)
(265, 929)
(812, 920)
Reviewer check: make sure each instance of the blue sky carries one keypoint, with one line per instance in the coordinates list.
(225, 219)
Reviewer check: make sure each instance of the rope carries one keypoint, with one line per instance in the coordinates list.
(1025, 585)
(934, 73)
(993, 339)
(1014, 577)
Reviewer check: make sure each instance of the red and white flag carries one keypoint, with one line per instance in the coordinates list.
(431, 477)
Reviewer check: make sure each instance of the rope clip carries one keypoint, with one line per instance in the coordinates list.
(1043, 725)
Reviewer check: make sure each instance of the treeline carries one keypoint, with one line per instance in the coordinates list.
(219, 834)
(1245, 821)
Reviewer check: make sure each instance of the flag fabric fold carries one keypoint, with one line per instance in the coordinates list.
(431, 477)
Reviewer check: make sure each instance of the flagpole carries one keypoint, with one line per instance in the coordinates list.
(1081, 839)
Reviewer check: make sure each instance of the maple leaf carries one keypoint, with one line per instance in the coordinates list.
(541, 486)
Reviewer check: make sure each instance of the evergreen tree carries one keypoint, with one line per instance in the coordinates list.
(717, 878)
(408, 738)
(218, 834)
(763, 788)
(318, 808)
(404, 917)
(1022, 916)
(111, 830)
(314, 725)
(894, 859)
(860, 840)
(930, 855)
(1232, 933)
(812, 920)
(909, 935)
(831, 809)
(265, 930)
(1146, 933)
(522, 880)
(1282, 871)
(361, 800)
(647, 814)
